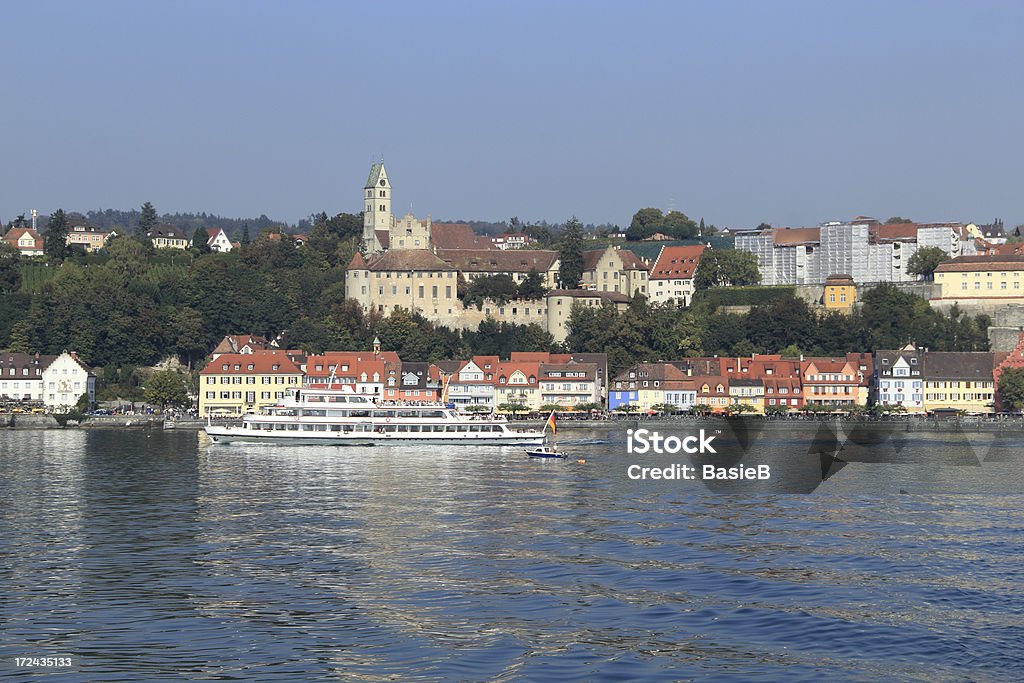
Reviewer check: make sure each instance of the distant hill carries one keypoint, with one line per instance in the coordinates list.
(187, 222)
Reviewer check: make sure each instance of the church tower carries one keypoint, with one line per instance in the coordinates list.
(376, 208)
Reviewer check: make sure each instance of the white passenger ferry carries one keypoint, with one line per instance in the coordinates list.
(342, 418)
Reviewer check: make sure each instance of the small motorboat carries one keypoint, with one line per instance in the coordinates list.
(549, 449)
(545, 452)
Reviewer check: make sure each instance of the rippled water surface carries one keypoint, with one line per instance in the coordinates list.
(156, 556)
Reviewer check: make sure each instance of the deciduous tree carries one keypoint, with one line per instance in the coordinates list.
(1011, 389)
(167, 388)
(925, 261)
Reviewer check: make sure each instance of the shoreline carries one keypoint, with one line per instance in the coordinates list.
(907, 424)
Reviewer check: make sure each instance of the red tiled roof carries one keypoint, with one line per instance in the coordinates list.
(677, 262)
(457, 236)
(262, 363)
(787, 236)
(899, 231)
(384, 237)
(14, 234)
(357, 262)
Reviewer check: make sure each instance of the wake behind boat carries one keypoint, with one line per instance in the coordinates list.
(342, 418)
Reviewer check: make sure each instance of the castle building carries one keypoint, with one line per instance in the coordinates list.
(381, 230)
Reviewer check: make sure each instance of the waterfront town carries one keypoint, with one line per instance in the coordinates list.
(454, 278)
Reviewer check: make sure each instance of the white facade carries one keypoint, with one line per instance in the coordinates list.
(64, 382)
(219, 241)
(807, 256)
(904, 387)
(472, 385)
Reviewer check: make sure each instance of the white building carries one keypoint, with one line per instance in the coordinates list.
(21, 376)
(898, 379)
(473, 384)
(219, 241)
(65, 379)
(864, 249)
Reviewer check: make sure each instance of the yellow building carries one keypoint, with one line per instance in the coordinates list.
(517, 383)
(748, 392)
(840, 293)
(613, 269)
(981, 277)
(235, 384)
(90, 239)
(959, 381)
(167, 237)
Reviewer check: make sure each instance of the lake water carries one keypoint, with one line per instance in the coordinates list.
(144, 555)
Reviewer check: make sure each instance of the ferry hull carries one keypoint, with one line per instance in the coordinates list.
(226, 435)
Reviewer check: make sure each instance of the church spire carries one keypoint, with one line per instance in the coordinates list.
(377, 207)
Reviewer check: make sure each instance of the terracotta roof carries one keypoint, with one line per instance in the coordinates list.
(972, 263)
(231, 343)
(677, 262)
(384, 237)
(712, 381)
(14, 234)
(899, 232)
(499, 261)
(457, 236)
(509, 367)
(357, 262)
(407, 259)
(532, 356)
(1007, 249)
(262, 362)
(790, 236)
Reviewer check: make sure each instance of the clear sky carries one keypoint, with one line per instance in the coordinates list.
(739, 112)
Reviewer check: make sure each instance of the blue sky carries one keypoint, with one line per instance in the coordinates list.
(739, 112)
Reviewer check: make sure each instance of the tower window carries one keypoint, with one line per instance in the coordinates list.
(381, 207)
(383, 193)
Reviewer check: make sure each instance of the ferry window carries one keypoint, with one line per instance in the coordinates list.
(463, 428)
(389, 428)
(438, 428)
(414, 428)
(380, 414)
(452, 428)
(474, 428)
(293, 427)
(279, 427)
(403, 428)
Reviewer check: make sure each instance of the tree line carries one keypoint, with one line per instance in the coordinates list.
(889, 318)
